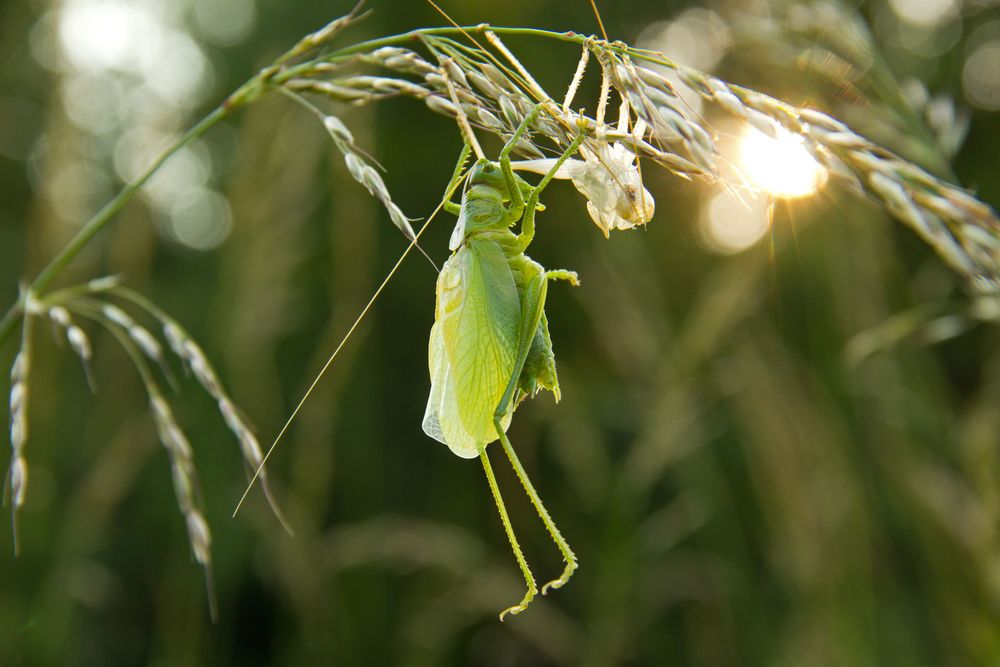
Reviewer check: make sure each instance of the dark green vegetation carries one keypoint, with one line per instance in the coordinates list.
(736, 492)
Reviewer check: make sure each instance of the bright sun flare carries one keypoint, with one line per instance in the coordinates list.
(780, 166)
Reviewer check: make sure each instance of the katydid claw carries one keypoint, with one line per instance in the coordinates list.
(517, 609)
(561, 581)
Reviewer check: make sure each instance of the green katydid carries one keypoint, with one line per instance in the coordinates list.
(490, 345)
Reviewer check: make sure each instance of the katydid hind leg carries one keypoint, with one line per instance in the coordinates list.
(532, 306)
(529, 579)
(567, 552)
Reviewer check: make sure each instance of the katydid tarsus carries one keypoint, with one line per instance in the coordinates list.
(490, 345)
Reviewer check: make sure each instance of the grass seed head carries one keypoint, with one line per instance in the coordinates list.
(18, 393)
(117, 316)
(19, 403)
(60, 316)
(183, 487)
(185, 478)
(200, 536)
(19, 426)
(18, 482)
(336, 127)
(80, 343)
(147, 343)
(441, 105)
(171, 436)
(175, 339)
(202, 370)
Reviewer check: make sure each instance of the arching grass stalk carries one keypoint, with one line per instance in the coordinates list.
(742, 102)
(248, 92)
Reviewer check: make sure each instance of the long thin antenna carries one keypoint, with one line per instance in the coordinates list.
(492, 38)
(452, 21)
(333, 356)
(600, 23)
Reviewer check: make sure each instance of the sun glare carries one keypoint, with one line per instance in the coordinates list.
(780, 165)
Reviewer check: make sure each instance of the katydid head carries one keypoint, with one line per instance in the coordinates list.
(488, 173)
(483, 202)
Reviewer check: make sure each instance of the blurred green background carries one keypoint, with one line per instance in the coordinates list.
(738, 492)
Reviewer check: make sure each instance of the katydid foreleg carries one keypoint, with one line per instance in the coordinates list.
(513, 183)
(456, 177)
(527, 233)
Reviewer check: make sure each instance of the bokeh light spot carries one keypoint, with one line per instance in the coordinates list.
(731, 224)
(201, 221)
(225, 22)
(981, 76)
(924, 13)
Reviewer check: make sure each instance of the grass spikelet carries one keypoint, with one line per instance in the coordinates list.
(366, 175)
(401, 60)
(185, 487)
(78, 340)
(80, 344)
(898, 186)
(17, 474)
(144, 340)
(183, 345)
(323, 36)
(357, 166)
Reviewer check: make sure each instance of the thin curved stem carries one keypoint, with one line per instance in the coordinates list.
(104, 216)
(9, 322)
(416, 34)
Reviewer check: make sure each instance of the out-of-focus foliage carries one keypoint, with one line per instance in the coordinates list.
(739, 488)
